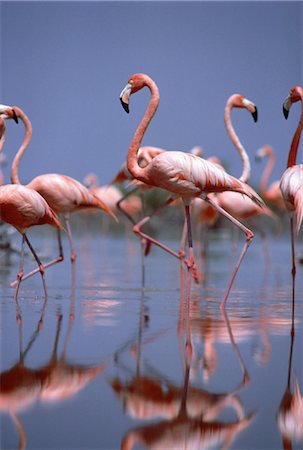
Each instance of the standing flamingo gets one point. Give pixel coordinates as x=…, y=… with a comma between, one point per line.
x=238, y=206
x=62, y=193
x=292, y=180
x=111, y=195
x=23, y=207
x=271, y=194
x=183, y=174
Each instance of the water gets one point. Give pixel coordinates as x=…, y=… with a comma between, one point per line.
x=104, y=364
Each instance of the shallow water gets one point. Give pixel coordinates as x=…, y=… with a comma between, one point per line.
x=103, y=364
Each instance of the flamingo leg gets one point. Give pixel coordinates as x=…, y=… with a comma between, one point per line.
x=191, y=259
x=139, y=225
x=70, y=238
x=292, y=236
x=249, y=236
x=59, y=258
x=40, y=265
x=20, y=272
x=128, y=216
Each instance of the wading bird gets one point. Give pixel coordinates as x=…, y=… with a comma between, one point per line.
x=292, y=180
x=272, y=193
x=23, y=207
x=240, y=207
x=62, y=193
x=182, y=174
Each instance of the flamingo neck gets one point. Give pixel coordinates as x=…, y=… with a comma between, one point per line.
x=132, y=163
x=236, y=141
x=292, y=156
x=23, y=146
x=267, y=171
x=2, y=142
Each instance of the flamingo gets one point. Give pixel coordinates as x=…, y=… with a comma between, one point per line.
x=23, y=207
x=183, y=174
x=111, y=195
x=62, y=193
x=238, y=206
x=272, y=194
x=291, y=184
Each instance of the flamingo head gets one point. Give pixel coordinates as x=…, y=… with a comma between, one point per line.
x=295, y=94
x=239, y=101
x=263, y=151
x=135, y=83
x=8, y=112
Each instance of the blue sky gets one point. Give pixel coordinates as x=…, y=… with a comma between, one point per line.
x=65, y=64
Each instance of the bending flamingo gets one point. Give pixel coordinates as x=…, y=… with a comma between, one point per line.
x=62, y=193
x=23, y=207
x=271, y=194
x=292, y=180
x=183, y=174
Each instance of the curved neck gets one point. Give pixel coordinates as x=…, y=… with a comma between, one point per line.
x=292, y=156
x=235, y=140
x=2, y=142
x=267, y=171
x=132, y=163
x=23, y=146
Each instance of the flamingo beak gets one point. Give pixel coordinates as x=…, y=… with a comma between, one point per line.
x=124, y=97
x=286, y=106
x=15, y=117
x=255, y=114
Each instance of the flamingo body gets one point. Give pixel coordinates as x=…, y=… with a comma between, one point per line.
x=65, y=194
x=188, y=176
x=292, y=189
x=23, y=207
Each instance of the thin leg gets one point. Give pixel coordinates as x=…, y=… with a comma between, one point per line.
x=128, y=216
x=139, y=225
x=41, y=267
x=191, y=260
x=20, y=272
x=293, y=257
x=183, y=240
x=59, y=258
x=249, y=236
x=70, y=238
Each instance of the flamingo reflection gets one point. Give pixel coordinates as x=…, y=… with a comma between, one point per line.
x=187, y=416
x=22, y=387
x=290, y=413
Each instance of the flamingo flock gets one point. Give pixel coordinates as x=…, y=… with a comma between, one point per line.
x=50, y=198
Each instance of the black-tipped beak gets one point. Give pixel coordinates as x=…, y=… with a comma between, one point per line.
x=15, y=116
x=285, y=112
x=255, y=115
x=125, y=106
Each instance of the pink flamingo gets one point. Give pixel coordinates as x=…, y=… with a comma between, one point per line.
x=292, y=180
x=238, y=206
x=23, y=207
x=62, y=193
x=183, y=174
x=111, y=195
x=271, y=194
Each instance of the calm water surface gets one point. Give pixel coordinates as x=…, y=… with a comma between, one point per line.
x=103, y=364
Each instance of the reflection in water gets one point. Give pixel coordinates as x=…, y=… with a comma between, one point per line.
x=21, y=386
x=191, y=414
x=290, y=413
